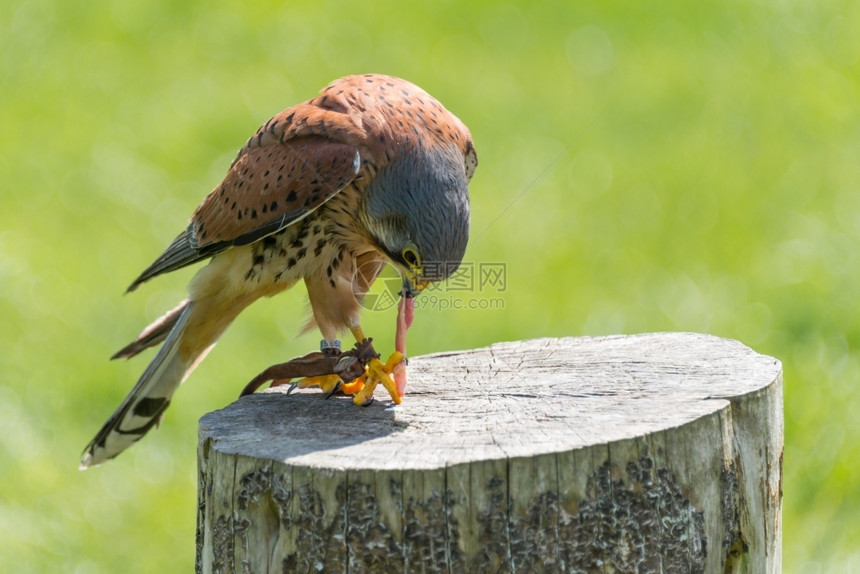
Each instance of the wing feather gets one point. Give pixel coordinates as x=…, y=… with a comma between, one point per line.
x=294, y=163
x=272, y=186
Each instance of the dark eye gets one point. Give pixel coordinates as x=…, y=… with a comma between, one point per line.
x=410, y=257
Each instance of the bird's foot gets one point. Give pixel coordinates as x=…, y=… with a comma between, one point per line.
x=355, y=372
x=328, y=384
x=378, y=372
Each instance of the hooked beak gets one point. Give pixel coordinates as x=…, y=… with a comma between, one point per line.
x=412, y=286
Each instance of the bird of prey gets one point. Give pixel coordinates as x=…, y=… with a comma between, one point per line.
x=372, y=171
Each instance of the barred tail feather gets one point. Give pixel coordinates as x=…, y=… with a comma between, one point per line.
x=144, y=406
x=153, y=334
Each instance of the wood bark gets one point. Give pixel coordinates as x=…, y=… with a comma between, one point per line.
x=646, y=453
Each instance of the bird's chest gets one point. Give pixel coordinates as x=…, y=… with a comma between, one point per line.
x=323, y=246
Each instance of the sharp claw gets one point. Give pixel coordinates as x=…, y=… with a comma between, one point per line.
x=368, y=402
x=293, y=387
x=336, y=388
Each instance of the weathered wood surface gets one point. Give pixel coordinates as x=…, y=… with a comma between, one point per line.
x=646, y=453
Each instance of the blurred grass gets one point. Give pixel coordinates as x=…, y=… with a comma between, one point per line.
x=708, y=159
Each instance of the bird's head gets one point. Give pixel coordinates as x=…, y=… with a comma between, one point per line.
x=417, y=211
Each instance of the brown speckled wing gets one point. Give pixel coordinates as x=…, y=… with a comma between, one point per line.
x=271, y=186
x=294, y=163
x=303, y=156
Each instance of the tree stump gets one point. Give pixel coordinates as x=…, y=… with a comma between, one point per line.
x=647, y=453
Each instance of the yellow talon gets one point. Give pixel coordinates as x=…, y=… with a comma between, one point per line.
x=377, y=372
x=326, y=383
x=395, y=359
x=362, y=388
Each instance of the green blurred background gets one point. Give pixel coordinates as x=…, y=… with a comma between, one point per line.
x=708, y=159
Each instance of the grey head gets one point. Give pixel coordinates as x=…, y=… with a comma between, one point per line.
x=417, y=210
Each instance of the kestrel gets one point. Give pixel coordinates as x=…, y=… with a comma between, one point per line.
x=372, y=171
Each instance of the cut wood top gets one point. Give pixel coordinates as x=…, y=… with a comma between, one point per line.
x=516, y=399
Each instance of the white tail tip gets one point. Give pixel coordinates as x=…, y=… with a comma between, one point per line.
x=86, y=462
